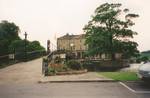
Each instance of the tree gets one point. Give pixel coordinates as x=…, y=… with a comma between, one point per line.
x=8, y=33
x=109, y=31
x=19, y=46
x=3, y=46
x=35, y=46
x=9, y=30
x=10, y=42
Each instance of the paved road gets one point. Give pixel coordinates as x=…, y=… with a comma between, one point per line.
x=25, y=72
x=68, y=90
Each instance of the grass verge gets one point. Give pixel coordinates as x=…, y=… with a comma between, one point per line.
x=120, y=76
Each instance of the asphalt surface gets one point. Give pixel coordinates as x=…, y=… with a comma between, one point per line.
x=68, y=90
x=138, y=87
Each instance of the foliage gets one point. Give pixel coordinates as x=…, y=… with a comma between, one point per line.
x=8, y=32
x=142, y=59
x=120, y=76
x=109, y=33
x=57, y=60
x=73, y=64
x=70, y=56
x=33, y=49
x=19, y=46
x=34, y=45
x=4, y=46
x=10, y=42
x=51, y=71
x=146, y=53
x=45, y=59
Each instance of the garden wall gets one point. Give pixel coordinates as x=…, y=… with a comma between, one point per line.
x=104, y=65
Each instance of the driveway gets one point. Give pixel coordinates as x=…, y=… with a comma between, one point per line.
x=25, y=72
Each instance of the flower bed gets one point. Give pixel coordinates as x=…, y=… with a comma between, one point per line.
x=69, y=68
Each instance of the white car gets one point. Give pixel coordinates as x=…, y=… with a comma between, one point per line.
x=144, y=71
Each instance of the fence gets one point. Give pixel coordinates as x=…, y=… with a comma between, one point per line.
x=12, y=58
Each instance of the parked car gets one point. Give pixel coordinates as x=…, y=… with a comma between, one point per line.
x=144, y=71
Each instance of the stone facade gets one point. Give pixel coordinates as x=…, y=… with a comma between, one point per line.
x=73, y=43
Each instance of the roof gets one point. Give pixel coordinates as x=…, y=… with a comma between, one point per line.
x=67, y=36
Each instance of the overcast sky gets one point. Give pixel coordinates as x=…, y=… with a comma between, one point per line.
x=48, y=19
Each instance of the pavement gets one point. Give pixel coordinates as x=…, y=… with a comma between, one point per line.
x=21, y=81
x=31, y=72
x=85, y=77
x=20, y=73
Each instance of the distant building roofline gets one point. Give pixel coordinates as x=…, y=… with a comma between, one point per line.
x=72, y=36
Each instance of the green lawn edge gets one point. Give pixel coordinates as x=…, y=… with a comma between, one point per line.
x=120, y=76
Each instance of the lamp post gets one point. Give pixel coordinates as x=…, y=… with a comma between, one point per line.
x=48, y=46
x=25, y=46
x=71, y=45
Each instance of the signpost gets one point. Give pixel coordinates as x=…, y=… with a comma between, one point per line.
x=12, y=56
x=25, y=46
x=45, y=67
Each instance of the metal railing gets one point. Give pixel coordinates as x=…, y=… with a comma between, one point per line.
x=13, y=58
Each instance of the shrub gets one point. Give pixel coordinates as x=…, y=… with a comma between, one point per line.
x=54, y=68
x=57, y=60
x=142, y=59
x=45, y=60
x=73, y=64
x=51, y=71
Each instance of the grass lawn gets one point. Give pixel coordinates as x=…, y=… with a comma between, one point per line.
x=121, y=76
